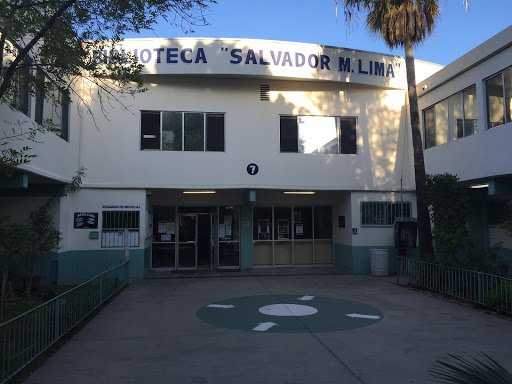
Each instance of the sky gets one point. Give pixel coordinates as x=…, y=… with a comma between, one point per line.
x=314, y=21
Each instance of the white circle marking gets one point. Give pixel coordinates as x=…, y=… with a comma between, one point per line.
x=288, y=310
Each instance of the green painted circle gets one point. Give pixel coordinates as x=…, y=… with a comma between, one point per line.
x=243, y=313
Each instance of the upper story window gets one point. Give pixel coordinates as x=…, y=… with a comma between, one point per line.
x=182, y=131
x=52, y=107
x=318, y=134
x=452, y=118
x=499, y=98
x=21, y=94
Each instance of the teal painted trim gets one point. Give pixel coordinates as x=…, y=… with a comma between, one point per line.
x=343, y=257
x=79, y=266
x=506, y=255
x=147, y=259
x=246, y=237
x=136, y=270
x=361, y=258
x=37, y=190
x=14, y=182
x=499, y=187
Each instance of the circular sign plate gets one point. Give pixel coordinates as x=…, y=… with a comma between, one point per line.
x=252, y=169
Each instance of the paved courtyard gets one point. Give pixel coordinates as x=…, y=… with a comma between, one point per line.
x=273, y=329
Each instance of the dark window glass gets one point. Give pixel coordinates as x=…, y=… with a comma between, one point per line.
x=460, y=129
x=194, y=132
x=323, y=222
x=229, y=217
x=499, y=211
x=507, y=75
x=282, y=223
x=262, y=224
x=303, y=222
x=214, y=132
x=430, y=128
x=39, y=97
x=495, y=101
x=150, y=130
x=21, y=91
x=64, y=128
x=348, y=136
x=470, y=111
x=383, y=213
x=171, y=131
x=289, y=138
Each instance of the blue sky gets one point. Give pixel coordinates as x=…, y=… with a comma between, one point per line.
x=314, y=21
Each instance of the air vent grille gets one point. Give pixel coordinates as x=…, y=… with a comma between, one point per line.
x=264, y=92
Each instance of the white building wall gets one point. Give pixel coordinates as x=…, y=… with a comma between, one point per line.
x=487, y=152
x=56, y=158
x=113, y=157
x=379, y=235
x=97, y=200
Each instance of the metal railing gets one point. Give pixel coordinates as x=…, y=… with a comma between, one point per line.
x=25, y=337
x=486, y=290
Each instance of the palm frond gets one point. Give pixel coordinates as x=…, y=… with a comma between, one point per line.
x=479, y=369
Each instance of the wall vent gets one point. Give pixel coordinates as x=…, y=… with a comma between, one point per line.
x=265, y=92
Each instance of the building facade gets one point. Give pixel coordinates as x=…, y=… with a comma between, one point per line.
x=245, y=154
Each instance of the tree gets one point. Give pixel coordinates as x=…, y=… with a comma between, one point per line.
x=15, y=243
x=47, y=50
x=448, y=214
x=404, y=23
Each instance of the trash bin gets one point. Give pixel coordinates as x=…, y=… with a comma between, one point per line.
x=379, y=262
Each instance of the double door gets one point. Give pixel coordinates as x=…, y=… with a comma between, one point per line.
x=197, y=241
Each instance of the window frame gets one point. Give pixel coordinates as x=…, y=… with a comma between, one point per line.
x=393, y=205
x=461, y=93
x=338, y=122
x=183, y=113
x=63, y=106
x=503, y=94
x=134, y=217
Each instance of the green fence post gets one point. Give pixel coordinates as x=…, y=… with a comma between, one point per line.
x=101, y=289
x=57, y=318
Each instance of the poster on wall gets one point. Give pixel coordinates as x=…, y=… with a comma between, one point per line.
x=85, y=220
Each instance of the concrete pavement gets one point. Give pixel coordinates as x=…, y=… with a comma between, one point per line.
x=150, y=334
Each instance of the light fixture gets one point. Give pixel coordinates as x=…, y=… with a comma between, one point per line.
x=150, y=136
x=299, y=192
x=476, y=186
x=197, y=192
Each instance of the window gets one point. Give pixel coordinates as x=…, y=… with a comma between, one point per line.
x=318, y=134
x=52, y=107
x=114, y=225
x=499, y=211
x=452, y=118
x=21, y=95
x=182, y=131
x=499, y=98
x=292, y=235
x=383, y=213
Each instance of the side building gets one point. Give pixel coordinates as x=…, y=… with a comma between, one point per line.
x=467, y=130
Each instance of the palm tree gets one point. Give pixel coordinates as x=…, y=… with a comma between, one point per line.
x=404, y=23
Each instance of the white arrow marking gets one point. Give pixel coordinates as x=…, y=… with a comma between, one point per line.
x=220, y=306
x=304, y=298
x=262, y=327
x=358, y=315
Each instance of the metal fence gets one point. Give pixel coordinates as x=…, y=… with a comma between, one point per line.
x=486, y=290
x=27, y=336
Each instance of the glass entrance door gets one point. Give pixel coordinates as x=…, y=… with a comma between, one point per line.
x=187, y=242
